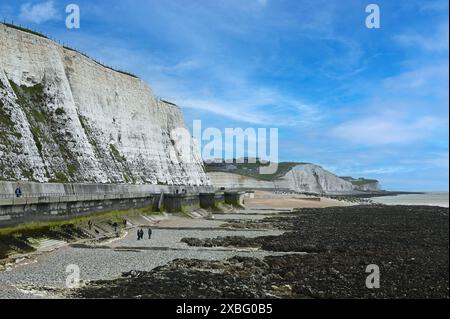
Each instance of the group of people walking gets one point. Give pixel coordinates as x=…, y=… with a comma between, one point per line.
x=140, y=233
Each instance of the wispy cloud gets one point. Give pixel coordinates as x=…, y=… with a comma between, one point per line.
x=245, y=110
x=429, y=81
x=38, y=12
x=373, y=131
x=364, y=102
x=436, y=41
x=262, y=3
x=249, y=104
x=434, y=5
x=377, y=171
x=230, y=93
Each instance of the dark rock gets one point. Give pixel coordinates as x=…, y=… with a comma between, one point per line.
x=409, y=244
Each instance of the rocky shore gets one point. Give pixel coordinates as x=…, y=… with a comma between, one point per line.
x=409, y=244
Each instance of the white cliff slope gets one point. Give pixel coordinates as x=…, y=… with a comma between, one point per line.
x=314, y=179
x=66, y=118
x=304, y=178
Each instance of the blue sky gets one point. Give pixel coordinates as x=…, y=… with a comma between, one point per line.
x=358, y=101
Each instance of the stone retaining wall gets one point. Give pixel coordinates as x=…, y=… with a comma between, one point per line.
x=27, y=210
x=53, y=201
x=33, y=189
x=65, y=201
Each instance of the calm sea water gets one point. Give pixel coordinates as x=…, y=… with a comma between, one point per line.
x=431, y=199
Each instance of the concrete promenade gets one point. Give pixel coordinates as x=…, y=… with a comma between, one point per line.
x=48, y=202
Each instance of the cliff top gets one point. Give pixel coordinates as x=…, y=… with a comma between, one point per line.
x=359, y=181
x=36, y=33
x=251, y=169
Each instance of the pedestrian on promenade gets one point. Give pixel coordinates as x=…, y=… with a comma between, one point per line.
x=90, y=224
x=18, y=192
x=139, y=234
x=149, y=233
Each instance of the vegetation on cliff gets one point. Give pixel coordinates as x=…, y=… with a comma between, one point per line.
x=17, y=27
x=48, y=130
x=247, y=168
x=27, y=30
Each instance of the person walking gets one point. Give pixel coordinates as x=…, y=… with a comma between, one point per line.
x=138, y=234
x=18, y=192
x=149, y=233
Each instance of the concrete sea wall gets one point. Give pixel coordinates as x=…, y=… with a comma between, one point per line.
x=39, y=209
x=35, y=189
x=50, y=202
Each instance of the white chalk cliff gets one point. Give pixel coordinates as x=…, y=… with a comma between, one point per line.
x=64, y=117
x=305, y=178
x=313, y=178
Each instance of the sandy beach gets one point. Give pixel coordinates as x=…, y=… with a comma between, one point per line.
x=267, y=199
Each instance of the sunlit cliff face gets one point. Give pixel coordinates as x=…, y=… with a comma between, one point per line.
x=66, y=118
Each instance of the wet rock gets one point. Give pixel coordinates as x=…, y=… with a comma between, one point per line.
x=409, y=244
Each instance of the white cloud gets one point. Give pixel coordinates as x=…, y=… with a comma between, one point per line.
x=230, y=93
x=438, y=6
x=262, y=3
x=39, y=12
x=355, y=172
x=384, y=130
x=429, y=81
x=436, y=41
x=273, y=109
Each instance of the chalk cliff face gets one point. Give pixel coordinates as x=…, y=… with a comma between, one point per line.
x=66, y=118
x=373, y=186
x=306, y=178
x=232, y=180
x=363, y=184
x=314, y=179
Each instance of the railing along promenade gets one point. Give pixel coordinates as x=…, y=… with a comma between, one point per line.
x=42, y=198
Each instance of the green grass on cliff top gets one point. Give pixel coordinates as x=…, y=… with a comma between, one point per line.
x=252, y=169
x=363, y=181
x=23, y=29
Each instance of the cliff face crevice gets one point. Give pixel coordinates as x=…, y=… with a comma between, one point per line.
x=65, y=118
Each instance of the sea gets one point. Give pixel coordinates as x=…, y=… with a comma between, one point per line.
x=429, y=199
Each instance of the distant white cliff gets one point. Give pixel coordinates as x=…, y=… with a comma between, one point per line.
x=305, y=178
x=314, y=179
